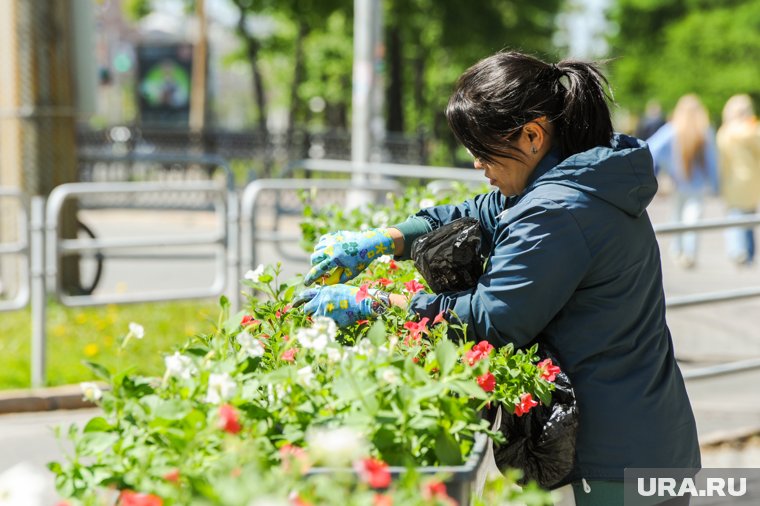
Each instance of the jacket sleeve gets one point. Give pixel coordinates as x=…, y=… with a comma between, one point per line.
x=484, y=207
x=539, y=260
x=660, y=146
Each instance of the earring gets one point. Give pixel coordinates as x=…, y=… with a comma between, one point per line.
x=533, y=149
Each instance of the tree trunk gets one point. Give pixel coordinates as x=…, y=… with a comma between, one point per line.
x=396, y=86
x=298, y=76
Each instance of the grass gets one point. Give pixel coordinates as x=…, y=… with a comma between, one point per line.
x=93, y=334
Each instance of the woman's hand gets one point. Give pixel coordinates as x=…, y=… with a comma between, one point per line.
x=340, y=256
x=340, y=303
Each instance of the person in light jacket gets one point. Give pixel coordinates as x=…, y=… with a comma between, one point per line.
x=684, y=148
x=739, y=155
x=573, y=262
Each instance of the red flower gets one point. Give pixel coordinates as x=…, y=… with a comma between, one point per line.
x=289, y=355
x=549, y=371
x=228, y=419
x=280, y=312
x=375, y=472
x=487, y=382
x=434, y=489
x=296, y=500
x=384, y=281
x=416, y=328
x=172, y=476
x=248, y=320
x=414, y=286
x=382, y=500
x=290, y=454
x=392, y=265
x=439, y=318
x=361, y=322
x=525, y=404
x=363, y=292
x=478, y=352
x=129, y=498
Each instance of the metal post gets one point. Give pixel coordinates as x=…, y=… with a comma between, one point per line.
x=38, y=292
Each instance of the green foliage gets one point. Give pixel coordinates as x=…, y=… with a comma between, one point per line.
x=664, y=49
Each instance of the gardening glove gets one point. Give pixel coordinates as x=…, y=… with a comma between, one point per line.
x=340, y=256
x=340, y=303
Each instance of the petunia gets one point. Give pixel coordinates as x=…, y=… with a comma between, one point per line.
x=179, y=366
x=363, y=292
x=487, y=382
x=289, y=355
x=549, y=371
x=374, y=472
x=91, y=391
x=248, y=320
x=228, y=419
x=414, y=286
x=137, y=330
x=255, y=274
x=220, y=388
x=525, y=404
x=130, y=498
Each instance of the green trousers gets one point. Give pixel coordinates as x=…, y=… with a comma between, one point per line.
x=610, y=493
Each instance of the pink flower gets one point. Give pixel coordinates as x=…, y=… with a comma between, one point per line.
x=439, y=318
x=525, y=404
x=384, y=281
x=248, y=320
x=363, y=292
x=280, y=312
x=296, y=500
x=375, y=472
x=414, y=286
x=289, y=355
x=478, y=352
x=382, y=500
x=290, y=454
x=549, y=371
x=228, y=419
x=487, y=382
x=130, y=498
x=435, y=489
x=172, y=476
x=417, y=328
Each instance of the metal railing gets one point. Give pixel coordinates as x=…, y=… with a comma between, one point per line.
x=384, y=170
x=18, y=248
x=250, y=234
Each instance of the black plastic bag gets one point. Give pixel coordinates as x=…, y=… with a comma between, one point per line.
x=541, y=442
x=449, y=257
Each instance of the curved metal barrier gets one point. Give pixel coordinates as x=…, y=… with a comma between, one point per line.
x=18, y=248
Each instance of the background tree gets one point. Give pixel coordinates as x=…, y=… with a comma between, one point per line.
x=666, y=48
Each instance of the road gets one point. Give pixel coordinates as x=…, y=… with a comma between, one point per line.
x=702, y=335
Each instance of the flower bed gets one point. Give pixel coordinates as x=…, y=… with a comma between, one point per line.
x=252, y=412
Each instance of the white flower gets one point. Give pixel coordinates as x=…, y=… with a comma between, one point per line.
x=425, y=203
x=385, y=259
x=91, y=391
x=221, y=387
x=136, y=330
x=335, y=447
x=364, y=348
x=23, y=485
x=334, y=354
x=250, y=345
x=311, y=339
x=179, y=366
x=326, y=325
x=390, y=375
x=380, y=219
x=254, y=275
x=364, y=227
x=305, y=375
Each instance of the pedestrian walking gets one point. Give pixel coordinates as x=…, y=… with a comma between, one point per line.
x=684, y=149
x=739, y=154
x=573, y=262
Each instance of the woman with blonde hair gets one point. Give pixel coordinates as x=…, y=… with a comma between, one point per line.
x=684, y=149
x=739, y=152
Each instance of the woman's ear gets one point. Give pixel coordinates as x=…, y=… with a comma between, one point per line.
x=537, y=135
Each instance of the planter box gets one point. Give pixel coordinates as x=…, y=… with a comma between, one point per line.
x=462, y=481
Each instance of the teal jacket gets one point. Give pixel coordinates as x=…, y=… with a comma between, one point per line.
x=574, y=265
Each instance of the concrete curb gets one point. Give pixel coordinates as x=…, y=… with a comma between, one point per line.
x=42, y=399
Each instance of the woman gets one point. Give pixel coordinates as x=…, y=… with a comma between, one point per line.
x=573, y=263
x=685, y=149
x=739, y=154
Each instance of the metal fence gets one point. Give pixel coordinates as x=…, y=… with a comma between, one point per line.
x=239, y=233
x=18, y=249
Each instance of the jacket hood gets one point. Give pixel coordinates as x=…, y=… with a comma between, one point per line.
x=622, y=175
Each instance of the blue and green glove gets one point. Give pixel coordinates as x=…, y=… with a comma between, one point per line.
x=339, y=303
x=340, y=256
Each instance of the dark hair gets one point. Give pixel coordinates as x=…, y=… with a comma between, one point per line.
x=494, y=98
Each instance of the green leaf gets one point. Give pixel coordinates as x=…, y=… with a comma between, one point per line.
x=95, y=443
x=99, y=370
x=446, y=354
x=447, y=450
x=377, y=333
x=173, y=409
x=98, y=424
